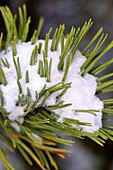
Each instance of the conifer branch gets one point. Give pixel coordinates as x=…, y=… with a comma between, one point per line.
x=37, y=139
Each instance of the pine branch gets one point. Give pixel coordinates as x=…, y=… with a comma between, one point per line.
x=37, y=138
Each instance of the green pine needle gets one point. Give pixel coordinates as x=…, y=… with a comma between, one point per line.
x=19, y=86
x=14, y=42
x=93, y=112
x=5, y=62
x=108, y=101
x=37, y=32
x=68, y=62
x=34, y=56
x=27, y=76
x=10, y=25
x=23, y=24
x=92, y=41
x=3, y=77
x=100, y=79
x=1, y=98
x=93, y=62
x=46, y=42
x=17, y=67
x=3, y=158
x=1, y=37
x=80, y=34
x=96, y=49
x=104, y=85
x=101, y=67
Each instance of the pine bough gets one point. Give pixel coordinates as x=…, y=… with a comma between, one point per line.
x=34, y=107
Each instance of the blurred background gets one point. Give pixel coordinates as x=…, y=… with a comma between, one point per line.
x=86, y=155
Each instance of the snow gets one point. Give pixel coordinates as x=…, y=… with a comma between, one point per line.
x=36, y=136
x=81, y=94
